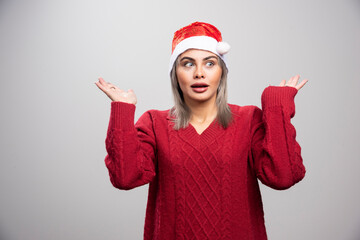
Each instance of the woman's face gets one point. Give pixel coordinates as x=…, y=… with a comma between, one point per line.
x=198, y=73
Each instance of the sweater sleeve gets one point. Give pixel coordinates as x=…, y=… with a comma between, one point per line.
x=131, y=148
x=275, y=155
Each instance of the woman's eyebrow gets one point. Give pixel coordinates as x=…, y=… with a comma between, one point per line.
x=207, y=58
x=188, y=58
x=191, y=59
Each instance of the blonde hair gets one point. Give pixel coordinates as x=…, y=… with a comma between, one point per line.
x=180, y=113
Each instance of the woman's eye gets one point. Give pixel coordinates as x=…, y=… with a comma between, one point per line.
x=188, y=64
x=209, y=64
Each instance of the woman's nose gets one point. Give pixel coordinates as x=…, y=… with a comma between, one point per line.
x=199, y=73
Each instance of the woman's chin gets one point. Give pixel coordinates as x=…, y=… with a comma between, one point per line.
x=200, y=98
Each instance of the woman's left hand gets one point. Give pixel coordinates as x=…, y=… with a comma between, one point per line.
x=293, y=82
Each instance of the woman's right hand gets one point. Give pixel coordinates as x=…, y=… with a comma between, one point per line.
x=115, y=93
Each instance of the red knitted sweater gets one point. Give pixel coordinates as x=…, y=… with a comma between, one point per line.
x=205, y=186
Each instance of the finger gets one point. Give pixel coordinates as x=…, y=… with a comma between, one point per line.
x=112, y=86
x=282, y=83
x=101, y=87
x=288, y=83
x=104, y=84
x=102, y=81
x=296, y=79
x=131, y=91
x=292, y=81
x=300, y=85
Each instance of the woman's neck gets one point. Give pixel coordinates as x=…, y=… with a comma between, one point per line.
x=202, y=113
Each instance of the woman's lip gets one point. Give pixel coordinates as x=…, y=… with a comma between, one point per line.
x=200, y=89
x=199, y=85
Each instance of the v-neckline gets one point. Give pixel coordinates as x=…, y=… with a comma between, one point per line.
x=210, y=134
x=208, y=127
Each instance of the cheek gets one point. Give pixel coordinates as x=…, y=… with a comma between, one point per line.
x=181, y=85
x=217, y=78
x=182, y=79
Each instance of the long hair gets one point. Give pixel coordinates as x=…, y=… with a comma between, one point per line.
x=180, y=113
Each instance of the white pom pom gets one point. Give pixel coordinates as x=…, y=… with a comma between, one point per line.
x=222, y=48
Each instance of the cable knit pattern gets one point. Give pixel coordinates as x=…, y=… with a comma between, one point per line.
x=205, y=186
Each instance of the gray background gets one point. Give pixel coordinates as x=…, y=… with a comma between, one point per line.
x=53, y=180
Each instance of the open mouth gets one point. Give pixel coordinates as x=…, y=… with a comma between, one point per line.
x=199, y=87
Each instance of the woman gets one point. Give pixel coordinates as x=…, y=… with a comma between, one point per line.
x=203, y=157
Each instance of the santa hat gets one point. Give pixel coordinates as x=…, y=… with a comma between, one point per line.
x=198, y=35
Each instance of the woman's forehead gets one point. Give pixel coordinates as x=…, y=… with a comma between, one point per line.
x=197, y=53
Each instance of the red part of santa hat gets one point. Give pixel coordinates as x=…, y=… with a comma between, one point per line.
x=198, y=35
